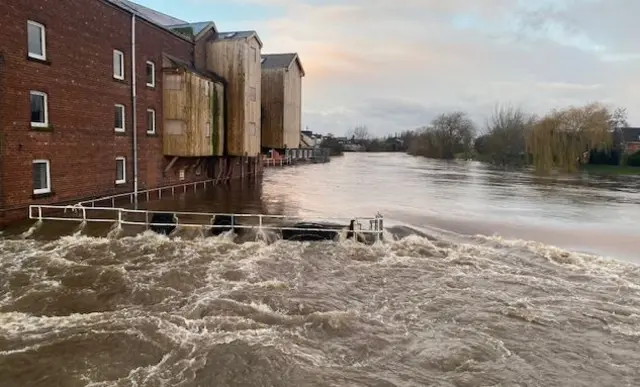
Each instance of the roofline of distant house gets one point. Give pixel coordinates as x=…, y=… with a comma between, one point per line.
x=152, y=23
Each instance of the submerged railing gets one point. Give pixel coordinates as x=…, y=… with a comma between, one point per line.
x=280, y=161
x=183, y=187
x=372, y=226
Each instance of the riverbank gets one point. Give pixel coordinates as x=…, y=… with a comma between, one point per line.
x=589, y=168
x=611, y=169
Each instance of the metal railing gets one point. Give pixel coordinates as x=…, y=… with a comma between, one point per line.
x=122, y=216
x=147, y=193
x=271, y=162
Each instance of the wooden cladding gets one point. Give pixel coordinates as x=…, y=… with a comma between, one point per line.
x=238, y=61
x=282, y=107
x=193, y=115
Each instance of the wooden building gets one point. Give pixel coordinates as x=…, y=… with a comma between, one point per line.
x=281, y=101
x=235, y=56
x=193, y=105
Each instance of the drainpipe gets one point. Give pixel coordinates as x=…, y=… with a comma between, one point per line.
x=134, y=107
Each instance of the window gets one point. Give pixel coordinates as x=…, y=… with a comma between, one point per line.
x=151, y=121
x=254, y=52
x=36, y=40
x=118, y=65
x=151, y=74
x=118, y=123
x=41, y=177
x=121, y=170
x=39, y=109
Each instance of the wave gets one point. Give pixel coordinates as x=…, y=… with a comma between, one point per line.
x=153, y=310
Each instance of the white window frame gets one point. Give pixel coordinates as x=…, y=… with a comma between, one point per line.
x=124, y=118
x=40, y=191
x=120, y=54
x=153, y=68
x=124, y=170
x=153, y=114
x=43, y=38
x=44, y=124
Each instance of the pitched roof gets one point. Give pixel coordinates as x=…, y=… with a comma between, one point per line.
x=176, y=62
x=193, y=30
x=630, y=134
x=148, y=13
x=235, y=35
x=280, y=61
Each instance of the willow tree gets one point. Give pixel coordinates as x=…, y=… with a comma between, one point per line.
x=560, y=139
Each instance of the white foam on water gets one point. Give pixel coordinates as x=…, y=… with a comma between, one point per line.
x=31, y=230
x=263, y=294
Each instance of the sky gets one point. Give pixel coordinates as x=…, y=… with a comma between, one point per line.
x=394, y=65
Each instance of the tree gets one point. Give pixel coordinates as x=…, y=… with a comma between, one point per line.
x=504, y=144
x=359, y=134
x=448, y=135
x=563, y=137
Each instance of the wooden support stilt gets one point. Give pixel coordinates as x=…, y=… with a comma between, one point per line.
x=171, y=163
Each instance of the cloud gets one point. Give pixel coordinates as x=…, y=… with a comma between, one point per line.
x=395, y=64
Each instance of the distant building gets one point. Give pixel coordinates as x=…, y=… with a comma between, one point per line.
x=630, y=139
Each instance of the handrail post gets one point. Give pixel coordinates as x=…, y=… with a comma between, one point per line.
x=40, y=213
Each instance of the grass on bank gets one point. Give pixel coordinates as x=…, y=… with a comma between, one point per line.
x=611, y=169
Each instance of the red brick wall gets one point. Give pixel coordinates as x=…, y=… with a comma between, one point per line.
x=78, y=77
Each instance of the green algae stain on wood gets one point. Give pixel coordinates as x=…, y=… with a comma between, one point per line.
x=215, y=104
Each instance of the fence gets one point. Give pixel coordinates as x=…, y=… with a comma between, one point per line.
x=280, y=161
x=148, y=194
x=123, y=217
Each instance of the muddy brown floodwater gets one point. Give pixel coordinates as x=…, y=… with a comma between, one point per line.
x=494, y=278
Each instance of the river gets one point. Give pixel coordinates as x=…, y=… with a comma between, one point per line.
x=495, y=279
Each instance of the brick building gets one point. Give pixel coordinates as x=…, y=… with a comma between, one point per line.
x=631, y=139
x=66, y=101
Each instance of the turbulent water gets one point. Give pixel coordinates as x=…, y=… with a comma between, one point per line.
x=428, y=308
